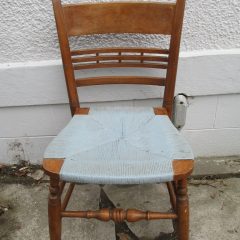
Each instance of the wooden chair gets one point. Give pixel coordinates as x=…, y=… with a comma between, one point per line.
x=119, y=17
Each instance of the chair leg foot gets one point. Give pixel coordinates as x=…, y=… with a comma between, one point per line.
x=182, y=211
x=54, y=209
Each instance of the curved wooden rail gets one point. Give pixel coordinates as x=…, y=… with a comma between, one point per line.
x=120, y=64
x=118, y=50
x=120, y=58
x=82, y=82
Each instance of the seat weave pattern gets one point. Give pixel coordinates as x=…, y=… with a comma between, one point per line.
x=120, y=145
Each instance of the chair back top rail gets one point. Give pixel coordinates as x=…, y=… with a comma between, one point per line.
x=120, y=17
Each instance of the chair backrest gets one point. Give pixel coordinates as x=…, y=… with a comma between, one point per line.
x=120, y=17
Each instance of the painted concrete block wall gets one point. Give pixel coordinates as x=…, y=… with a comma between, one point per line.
x=28, y=130
x=33, y=98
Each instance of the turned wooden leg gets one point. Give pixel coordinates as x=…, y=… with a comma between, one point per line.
x=182, y=210
x=54, y=209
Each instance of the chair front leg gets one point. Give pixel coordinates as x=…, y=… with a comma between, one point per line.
x=54, y=209
x=182, y=210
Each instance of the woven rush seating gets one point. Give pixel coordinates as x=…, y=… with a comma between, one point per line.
x=119, y=145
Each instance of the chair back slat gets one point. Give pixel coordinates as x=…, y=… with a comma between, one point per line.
x=83, y=82
x=118, y=17
x=119, y=64
x=121, y=57
x=122, y=50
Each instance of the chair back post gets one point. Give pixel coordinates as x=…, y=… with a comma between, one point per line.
x=66, y=56
x=173, y=57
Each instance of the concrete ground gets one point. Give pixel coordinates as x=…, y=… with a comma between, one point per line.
x=215, y=211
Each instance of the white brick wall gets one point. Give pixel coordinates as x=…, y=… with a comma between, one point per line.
x=228, y=112
x=212, y=128
x=213, y=125
x=33, y=103
x=33, y=97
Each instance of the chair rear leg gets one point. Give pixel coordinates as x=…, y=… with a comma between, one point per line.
x=182, y=210
x=54, y=209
